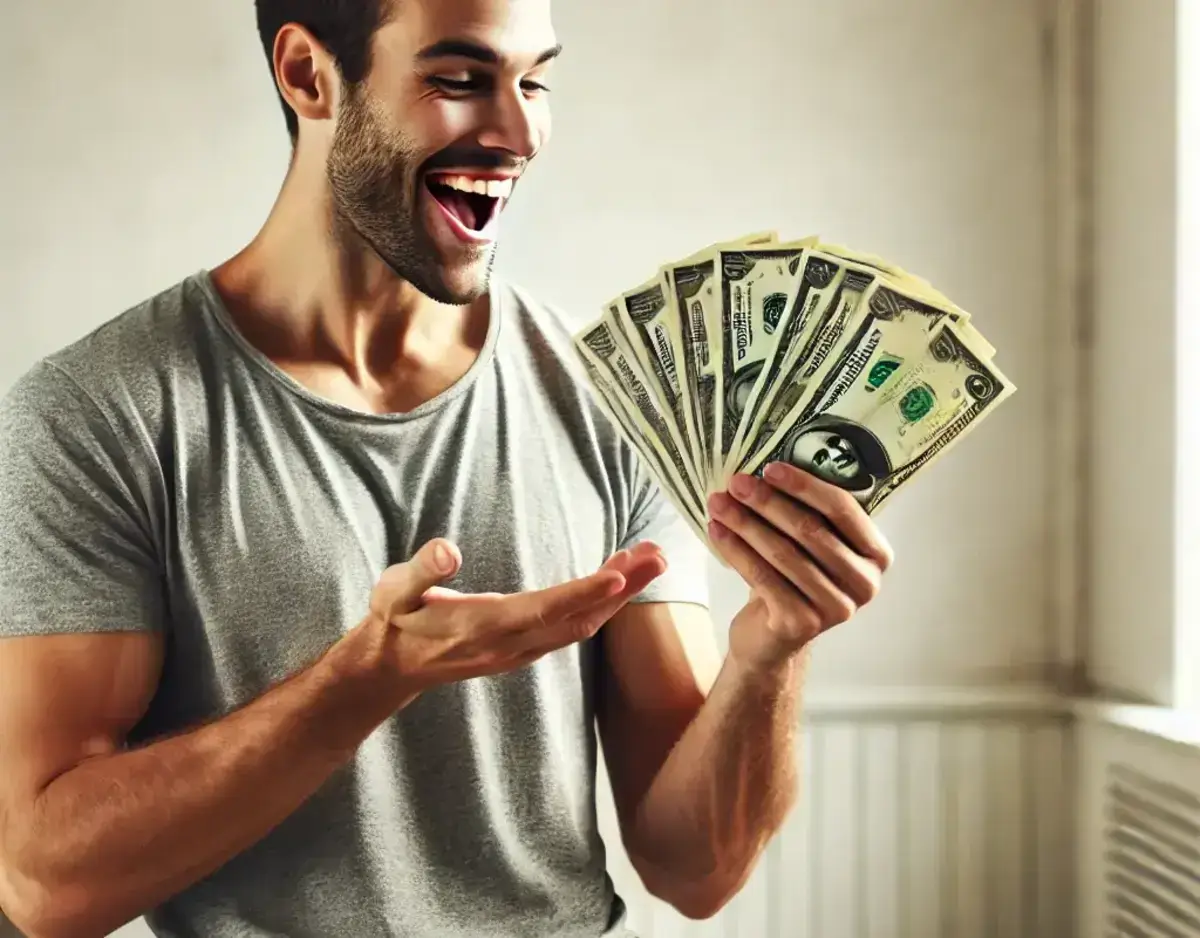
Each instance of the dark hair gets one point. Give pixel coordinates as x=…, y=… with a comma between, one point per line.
x=344, y=27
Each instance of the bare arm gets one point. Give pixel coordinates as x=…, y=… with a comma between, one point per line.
x=700, y=798
x=701, y=755
x=93, y=834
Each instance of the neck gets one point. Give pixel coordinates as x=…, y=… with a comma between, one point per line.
x=306, y=293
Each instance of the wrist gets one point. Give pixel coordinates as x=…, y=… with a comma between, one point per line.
x=785, y=669
x=363, y=664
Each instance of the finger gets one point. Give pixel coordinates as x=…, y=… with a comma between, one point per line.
x=629, y=557
x=754, y=569
x=786, y=557
x=441, y=594
x=839, y=508
x=857, y=576
x=637, y=578
x=402, y=585
x=583, y=625
x=539, y=607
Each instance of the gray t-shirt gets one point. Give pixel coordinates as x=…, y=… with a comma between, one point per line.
x=161, y=474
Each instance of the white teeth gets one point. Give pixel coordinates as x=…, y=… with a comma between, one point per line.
x=494, y=188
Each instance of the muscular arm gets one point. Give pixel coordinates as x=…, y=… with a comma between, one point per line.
x=701, y=755
x=92, y=833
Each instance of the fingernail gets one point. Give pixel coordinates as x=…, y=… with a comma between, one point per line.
x=443, y=560
x=742, y=486
x=717, y=531
x=775, y=472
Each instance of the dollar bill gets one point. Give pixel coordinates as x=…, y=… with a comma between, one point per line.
x=618, y=363
x=755, y=296
x=648, y=321
x=891, y=330
x=612, y=403
x=923, y=408
x=917, y=286
x=820, y=277
x=865, y=308
x=790, y=374
x=691, y=286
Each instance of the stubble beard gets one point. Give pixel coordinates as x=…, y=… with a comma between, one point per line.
x=373, y=179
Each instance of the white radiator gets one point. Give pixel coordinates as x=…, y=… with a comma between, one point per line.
x=1139, y=820
x=920, y=817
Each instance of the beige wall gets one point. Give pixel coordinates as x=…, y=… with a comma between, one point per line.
x=145, y=142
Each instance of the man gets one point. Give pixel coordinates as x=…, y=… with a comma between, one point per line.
x=304, y=561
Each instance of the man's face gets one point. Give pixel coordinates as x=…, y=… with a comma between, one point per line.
x=428, y=148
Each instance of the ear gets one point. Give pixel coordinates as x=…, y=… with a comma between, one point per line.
x=305, y=74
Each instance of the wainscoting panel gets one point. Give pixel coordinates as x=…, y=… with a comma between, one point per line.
x=918, y=819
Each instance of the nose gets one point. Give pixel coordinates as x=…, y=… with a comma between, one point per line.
x=516, y=124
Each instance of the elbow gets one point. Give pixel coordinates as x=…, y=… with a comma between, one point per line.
x=38, y=910
x=694, y=894
x=697, y=900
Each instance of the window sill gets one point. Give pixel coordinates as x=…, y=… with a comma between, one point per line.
x=1180, y=728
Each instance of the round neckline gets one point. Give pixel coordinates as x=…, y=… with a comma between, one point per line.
x=216, y=308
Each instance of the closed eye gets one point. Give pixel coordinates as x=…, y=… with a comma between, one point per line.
x=480, y=83
x=457, y=84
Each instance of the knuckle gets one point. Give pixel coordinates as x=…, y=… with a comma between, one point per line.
x=812, y=624
x=783, y=557
x=808, y=526
x=845, y=512
x=863, y=588
x=842, y=608
x=762, y=574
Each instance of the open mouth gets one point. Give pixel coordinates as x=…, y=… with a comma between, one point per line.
x=473, y=201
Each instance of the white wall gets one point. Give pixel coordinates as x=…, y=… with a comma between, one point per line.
x=145, y=142
x=1144, y=611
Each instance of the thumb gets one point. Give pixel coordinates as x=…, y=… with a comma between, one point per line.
x=402, y=585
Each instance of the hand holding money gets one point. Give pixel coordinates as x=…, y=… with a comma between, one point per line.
x=756, y=351
x=810, y=554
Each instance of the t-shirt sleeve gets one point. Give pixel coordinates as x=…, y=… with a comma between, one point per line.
x=77, y=543
x=653, y=517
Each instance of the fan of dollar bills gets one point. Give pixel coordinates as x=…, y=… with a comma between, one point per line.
x=755, y=351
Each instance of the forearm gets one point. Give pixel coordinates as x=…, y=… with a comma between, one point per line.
x=724, y=790
x=118, y=834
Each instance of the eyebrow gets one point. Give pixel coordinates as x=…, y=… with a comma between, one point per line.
x=467, y=49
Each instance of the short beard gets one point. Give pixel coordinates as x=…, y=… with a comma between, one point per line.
x=373, y=174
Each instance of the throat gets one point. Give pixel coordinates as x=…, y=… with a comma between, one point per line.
x=472, y=210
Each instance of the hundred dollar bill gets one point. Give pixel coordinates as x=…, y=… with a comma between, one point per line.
x=829, y=311
x=917, y=286
x=923, y=409
x=635, y=434
x=890, y=333
x=691, y=284
x=819, y=280
x=756, y=292
x=864, y=308
x=648, y=322
x=617, y=362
